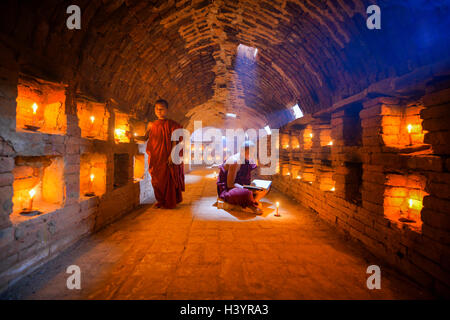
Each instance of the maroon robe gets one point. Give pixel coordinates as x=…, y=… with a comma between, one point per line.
x=167, y=181
x=239, y=196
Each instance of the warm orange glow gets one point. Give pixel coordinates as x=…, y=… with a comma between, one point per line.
x=333, y=189
x=409, y=127
x=34, y=107
x=92, y=177
x=299, y=177
x=92, y=119
x=415, y=204
x=120, y=134
x=297, y=146
x=310, y=135
x=330, y=143
x=285, y=146
x=288, y=174
x=135, y=134
x=278, y=204
x=32, y=193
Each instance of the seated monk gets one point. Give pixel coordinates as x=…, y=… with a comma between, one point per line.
x=233, y=176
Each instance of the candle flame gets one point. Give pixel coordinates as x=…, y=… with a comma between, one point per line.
x=409, y=127
x=299, y=177
x=92, y=119
x=32, y=192
x=120, y=132
x=333, y=189
x=34, y=107
x=330, y=143
x=92, y=177
x=278, y=204
x=310, y=135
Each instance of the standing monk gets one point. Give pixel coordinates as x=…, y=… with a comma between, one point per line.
x=167, y=178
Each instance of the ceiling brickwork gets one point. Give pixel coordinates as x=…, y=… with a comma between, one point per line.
x=313, y=52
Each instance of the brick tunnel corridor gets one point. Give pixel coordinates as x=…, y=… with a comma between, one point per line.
x=345, y=103
x=198, y=251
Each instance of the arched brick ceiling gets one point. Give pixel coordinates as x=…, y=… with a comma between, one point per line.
x=312, y=52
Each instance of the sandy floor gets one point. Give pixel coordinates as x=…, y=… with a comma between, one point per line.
x=200, y=252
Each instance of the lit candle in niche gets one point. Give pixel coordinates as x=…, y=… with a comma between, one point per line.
x=288, y=174
x=409, y=127
x=299, y=177
x=32, y=193
x=333, y=189
x=34, y=107
x=330, y=143
x=92, y=119
x=277, y=214
x=91, y=182
x=120, y=134
x=310, y=135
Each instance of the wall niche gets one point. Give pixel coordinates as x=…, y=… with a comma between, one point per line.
x=122, y=131
x=353, y=182
x=352, y=130
x=139, y=167
x=40, y=106
x=403, y=199
x=93, y=119
x=92, y=174
x=121, y=169
x=40, y=179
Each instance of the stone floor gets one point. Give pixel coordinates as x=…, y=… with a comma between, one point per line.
x=200, y=252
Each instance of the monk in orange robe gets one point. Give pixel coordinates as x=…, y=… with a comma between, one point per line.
x=167, y=177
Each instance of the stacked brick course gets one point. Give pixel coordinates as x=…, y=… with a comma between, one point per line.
x=379, y=181
x=28, y=242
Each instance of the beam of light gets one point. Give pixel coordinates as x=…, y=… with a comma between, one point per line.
x=297, y=111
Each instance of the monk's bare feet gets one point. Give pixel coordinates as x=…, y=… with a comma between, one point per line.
x=157, y=205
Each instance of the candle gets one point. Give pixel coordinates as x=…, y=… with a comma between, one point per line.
x=92, y=119
x=310, y=135
x=330, y=143
x=32, y=192
x=277, y=214
x=333, y=189
x=34, y=107
x=409, y=128
x=91, y=182
x=299, y=177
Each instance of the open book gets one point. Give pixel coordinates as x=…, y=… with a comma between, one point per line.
x=259, y=185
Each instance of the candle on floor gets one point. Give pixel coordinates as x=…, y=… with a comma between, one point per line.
x=277, y=214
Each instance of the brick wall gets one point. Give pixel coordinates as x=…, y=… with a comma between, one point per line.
x=377, y=183
x=28, y=242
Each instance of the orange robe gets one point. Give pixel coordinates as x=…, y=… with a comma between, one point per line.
x=167, y=181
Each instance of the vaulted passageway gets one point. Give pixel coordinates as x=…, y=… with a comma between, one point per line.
x=363, y=121
x=198, y=251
